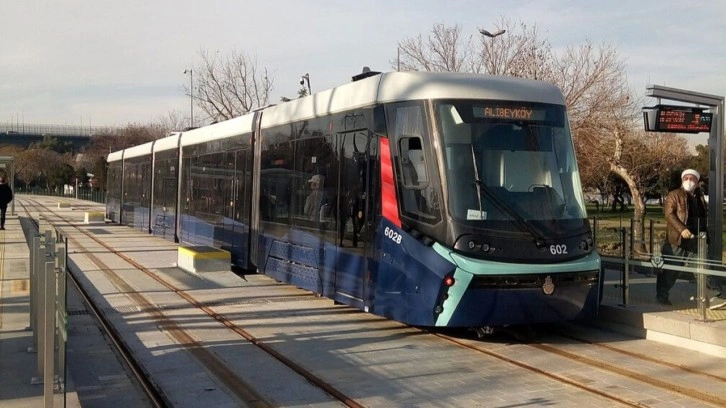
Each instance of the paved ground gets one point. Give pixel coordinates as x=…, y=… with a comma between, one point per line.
x=381, y=362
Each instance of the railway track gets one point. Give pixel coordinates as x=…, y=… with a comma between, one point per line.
x=620, y=376
x=154, y=398
x=235, y=384
x=569, y=343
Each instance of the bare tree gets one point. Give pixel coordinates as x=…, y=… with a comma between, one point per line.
x=103, y=143
x=443, y=50
x=174, y=121
x=227, y=87
x=520, y=53
x=36, y=165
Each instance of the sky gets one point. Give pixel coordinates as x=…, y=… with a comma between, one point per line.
x=112, y=63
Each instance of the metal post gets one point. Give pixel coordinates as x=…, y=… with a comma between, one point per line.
x=651, y=229
x=632, y=238
x=594, y=231
x=625, y=278
x=48, y=342
x=191, y=96
x=701, y=278
x=715, y=203
x=12, y=185
x=40, y=333
x=62, y=316
x=34, y=243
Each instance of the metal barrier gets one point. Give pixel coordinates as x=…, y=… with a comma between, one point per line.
x=48, y=313
x=82, y=193
x=654, y=261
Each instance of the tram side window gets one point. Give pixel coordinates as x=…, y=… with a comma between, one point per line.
x=114, y=181
x=315, y=178
x=278, y=184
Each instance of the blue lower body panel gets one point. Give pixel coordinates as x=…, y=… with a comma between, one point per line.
x=501, y=307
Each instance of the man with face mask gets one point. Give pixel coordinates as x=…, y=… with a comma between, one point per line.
x=685, y=214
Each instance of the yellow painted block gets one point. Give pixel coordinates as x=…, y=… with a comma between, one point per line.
x=91, y=216
x=204, y=252
x=198, y=259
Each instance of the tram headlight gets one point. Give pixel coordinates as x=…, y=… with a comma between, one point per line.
x=449, y=281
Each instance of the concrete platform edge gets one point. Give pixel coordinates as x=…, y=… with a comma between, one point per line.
x=665, y=327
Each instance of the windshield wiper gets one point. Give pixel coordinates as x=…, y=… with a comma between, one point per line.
x=523, y=224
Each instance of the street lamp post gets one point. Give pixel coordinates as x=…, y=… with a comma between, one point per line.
x=306, y=78
x=191, y=96
x=492, y=69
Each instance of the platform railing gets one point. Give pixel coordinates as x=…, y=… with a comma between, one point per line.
x=81, y=193
x=622, y=256
x=48, y=312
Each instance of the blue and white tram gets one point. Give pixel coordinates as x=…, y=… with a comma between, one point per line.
x=435, y=199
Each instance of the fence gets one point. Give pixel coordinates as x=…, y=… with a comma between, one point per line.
x=82, y=193
x=10, y=128
x=48, y=312
x=620, y=250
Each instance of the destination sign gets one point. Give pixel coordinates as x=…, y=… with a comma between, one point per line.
x=683, y=121
x=677, y=119
x=511, y=112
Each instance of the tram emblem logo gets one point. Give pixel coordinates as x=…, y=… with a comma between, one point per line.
x=657, y=261
x=549, y=287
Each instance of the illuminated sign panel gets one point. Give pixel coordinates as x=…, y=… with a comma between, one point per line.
x=677, y=119
x=511, y=112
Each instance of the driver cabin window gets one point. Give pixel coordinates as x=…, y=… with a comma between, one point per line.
x=418, y=194
x=418, y=200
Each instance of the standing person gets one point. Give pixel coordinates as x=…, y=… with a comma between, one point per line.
x=350, y=208
x=314, y=199
x=6, y=196
x=685, y=214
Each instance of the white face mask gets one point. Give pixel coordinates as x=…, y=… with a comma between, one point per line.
x=689, y=186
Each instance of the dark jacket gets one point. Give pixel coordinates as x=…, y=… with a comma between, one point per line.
x=676, y=213
x=6, y=194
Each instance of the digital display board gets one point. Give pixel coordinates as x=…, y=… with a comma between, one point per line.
x=677, y=119
x=510, y=112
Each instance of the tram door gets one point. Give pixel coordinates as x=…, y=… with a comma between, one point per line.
x=239, y=211
x=351, y=267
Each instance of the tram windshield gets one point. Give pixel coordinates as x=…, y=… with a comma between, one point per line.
x=509, y=161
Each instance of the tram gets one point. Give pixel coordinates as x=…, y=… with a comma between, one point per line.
x=434, y=199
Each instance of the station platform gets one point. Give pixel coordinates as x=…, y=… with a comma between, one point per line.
x=678, y=324
x=273, y=310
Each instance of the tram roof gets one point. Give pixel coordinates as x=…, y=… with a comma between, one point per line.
x=115, y=156
x=171, y=142
x=140, y=150
x=408, y=86
x=384, y=88
x=221, y=130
